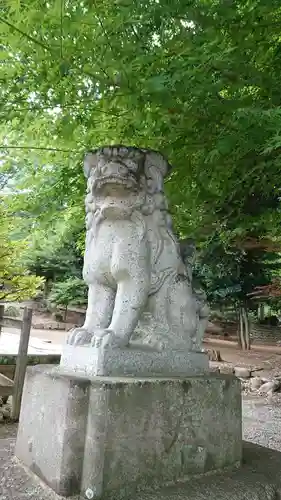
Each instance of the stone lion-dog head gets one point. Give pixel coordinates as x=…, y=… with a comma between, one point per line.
x=125, y=179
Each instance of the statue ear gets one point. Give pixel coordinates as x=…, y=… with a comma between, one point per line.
x=156, y=168
x=157, y=160
x=90, y=161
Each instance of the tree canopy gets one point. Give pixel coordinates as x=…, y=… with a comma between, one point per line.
x=16, y=283
x=66, y=292
x=197, y=80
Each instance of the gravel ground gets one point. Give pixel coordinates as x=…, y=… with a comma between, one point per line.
x=262, y=421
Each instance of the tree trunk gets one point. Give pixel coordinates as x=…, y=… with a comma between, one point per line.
x=47, y=287
x=241, y=330
x=261, y=312
x=237, y=311
x=246, y=328
x=65, y=314
x=244, y=332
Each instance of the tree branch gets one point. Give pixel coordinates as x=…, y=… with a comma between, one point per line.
x=40, y=148
x=33, y=40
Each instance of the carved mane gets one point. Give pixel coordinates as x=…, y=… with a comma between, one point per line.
x=155, y=168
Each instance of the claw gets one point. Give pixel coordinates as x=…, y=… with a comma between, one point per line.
x=79, y=336
x=97, y=342
x=106, y=338
x=102, y=338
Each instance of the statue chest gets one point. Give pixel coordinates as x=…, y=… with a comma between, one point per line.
x=109, y=249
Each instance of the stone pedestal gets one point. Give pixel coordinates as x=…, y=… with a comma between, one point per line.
x=106, y=437
x=132, y=361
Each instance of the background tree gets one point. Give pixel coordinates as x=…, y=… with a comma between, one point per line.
x=171, y=76
x=54, y=254
x=16, y=283
x=232, y=275
x=70, y=291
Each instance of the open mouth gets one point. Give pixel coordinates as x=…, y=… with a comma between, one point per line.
x=115, y=180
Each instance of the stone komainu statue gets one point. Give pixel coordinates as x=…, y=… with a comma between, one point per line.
x=139, y=285
x=187, y=251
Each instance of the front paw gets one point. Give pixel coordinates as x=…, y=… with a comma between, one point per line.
x=107, y=338
x=79, y=336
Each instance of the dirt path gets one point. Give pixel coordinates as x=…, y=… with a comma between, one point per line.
x=220, y=343
x=41, y=341
x=265, y=358
x=56, y=336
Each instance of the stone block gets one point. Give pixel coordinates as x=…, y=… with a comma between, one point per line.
x=110, y=437
x=226, y=369
x=52, y=428
x=242, y=372
x=132, y=361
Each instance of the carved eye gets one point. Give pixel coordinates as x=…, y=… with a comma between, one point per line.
x=132, y=165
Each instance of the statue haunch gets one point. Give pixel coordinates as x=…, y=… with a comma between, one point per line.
x=138, y=283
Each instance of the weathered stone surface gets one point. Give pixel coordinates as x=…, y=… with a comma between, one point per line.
x=271, y=386
x=5, y=408
x=258, y=479
x=136, y=361
x=112, y=436
x=6, y=411
x=226, y=369
x=256, y=383
x=52, y=428
x=139, y=284
x=242, y=372
x=214, y=368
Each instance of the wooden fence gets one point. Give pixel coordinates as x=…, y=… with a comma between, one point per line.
x=14, y=387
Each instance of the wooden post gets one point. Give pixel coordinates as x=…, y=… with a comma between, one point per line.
x=247, y=333
x=1, y=316
x=21, y=363
x=237, y=316
x=241, y=329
